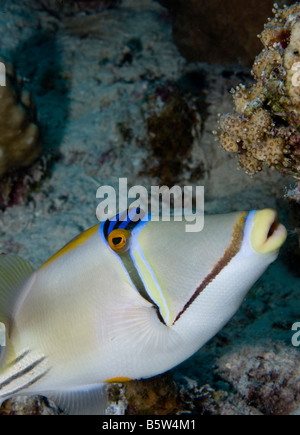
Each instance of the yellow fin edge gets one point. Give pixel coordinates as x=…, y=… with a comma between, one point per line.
x=73, y=244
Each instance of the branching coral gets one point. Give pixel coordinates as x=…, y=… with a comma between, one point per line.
x=266, y=126
x=19, y=134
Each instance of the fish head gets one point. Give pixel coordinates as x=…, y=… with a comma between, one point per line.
x=172, y=268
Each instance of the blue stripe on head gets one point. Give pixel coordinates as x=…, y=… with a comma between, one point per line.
x=112, y=224
x=249, y=223
x=246, y=244
x=131, y=219
x=115, y=221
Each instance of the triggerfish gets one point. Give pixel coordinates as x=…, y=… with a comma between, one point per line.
x=129, y=298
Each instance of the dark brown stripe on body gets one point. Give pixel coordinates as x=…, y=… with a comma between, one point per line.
x=21, y=373
x=15, y=361
x=231, y=251
x=23, y=387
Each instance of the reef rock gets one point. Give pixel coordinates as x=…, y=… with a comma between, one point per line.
x=35, y=405
x=267, y=380
x=154, y=396
x=266, y=126
x=218, y=31
x=20, y=143
x=59, y=8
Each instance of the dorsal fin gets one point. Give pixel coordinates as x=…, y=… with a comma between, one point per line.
x=13, y=272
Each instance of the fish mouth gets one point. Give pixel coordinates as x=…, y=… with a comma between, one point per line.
x=268, y=234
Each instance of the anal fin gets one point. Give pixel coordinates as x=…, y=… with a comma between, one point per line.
x=88, y=400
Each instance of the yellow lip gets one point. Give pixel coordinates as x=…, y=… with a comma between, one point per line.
x=268, y=235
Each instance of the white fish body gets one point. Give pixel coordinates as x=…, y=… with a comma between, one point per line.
x=127, y=300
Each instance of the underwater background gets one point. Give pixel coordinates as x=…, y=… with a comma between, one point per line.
x=99, y=90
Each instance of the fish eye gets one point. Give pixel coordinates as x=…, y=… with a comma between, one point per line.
x=118, y=240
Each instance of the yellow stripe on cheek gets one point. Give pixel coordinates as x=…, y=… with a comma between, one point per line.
x=152, y=285
x=73, y=244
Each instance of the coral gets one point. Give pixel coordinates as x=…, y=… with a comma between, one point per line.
x=20, y=143
x=266, y=126
x=211, y=31
x=268, y=380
